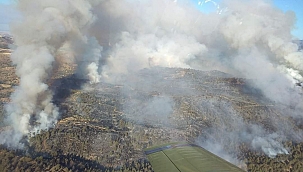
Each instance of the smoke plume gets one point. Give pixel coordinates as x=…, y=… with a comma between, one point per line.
x=249, y=39
x=45, y=27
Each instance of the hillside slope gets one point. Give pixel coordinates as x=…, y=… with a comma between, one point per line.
x=106, y=126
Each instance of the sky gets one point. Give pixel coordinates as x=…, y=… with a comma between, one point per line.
x=296, y=6
x=7, y=14
x=5, y=1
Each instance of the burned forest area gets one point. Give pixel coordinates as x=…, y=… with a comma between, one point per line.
x=105, y=127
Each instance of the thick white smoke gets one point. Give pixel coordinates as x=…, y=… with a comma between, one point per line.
x=269, y=146
x=250, y=39
x=174, y=34
x=91, y=57
x=45, y=27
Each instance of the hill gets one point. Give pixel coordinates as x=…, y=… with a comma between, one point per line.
x=5, y=41
x=300, y=44
x=107, y=126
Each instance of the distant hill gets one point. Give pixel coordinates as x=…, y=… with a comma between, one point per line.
x=300, y=44
x=105, y=127
x=5, y=40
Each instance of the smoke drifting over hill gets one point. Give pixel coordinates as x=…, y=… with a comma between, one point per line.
x=46, y=26
x=252, y=38
x=249, y=39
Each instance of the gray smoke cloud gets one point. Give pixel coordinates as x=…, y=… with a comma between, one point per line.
x=45, y=27
x=91, y=55
x=155, y=111
x=174, y=34
x=249, y=39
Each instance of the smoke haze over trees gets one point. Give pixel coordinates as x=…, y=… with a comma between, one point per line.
x=112, y=40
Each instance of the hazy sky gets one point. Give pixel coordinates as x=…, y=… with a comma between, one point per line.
x=7, y=14
x=285, y=5
x=297, y=7
x=5, y=1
